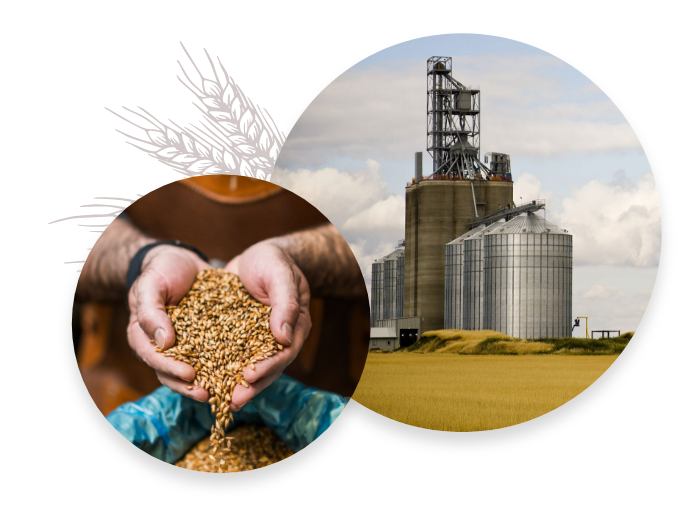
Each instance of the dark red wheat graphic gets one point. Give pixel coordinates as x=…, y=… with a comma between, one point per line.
x=234, y=136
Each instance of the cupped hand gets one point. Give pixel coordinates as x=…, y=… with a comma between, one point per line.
x=270, y=275
x=167, y=275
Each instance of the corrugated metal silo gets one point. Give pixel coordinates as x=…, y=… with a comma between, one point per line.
x=473, y=280
x=528, y=278
x=454, y=277
x=393, y=283
x=377, y=292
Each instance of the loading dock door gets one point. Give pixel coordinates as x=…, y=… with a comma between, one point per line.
x=407, y=337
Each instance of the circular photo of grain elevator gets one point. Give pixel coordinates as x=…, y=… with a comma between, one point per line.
x=221, y=323
x=504, y=216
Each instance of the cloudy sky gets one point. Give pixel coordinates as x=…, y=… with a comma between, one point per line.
x=351, y=154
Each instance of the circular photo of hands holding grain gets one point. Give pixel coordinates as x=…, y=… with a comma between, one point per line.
x=221, y=323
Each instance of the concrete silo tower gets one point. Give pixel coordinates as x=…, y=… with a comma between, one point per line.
x=460, y=189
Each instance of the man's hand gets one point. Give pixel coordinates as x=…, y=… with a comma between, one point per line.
x=167, y=275
x=271, y=276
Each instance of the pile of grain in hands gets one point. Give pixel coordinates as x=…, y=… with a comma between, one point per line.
x=220, y=331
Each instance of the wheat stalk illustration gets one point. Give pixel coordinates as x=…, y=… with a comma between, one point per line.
x=233, y=136
x=98, y=217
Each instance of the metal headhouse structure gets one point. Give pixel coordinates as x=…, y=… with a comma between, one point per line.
x=452, y=123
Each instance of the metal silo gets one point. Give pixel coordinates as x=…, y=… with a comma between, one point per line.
x=393, y=283
x=473, y=280
x=454, y=275
x=377, y=292
x=528, y=278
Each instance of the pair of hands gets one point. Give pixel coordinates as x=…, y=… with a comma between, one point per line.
x=267, y=272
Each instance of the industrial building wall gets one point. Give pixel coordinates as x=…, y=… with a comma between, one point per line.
x=384, y=323
x=438, y=211
x=400, y=276
x=410, y=266
x=384, y=344
x=411, y=322
x=498, y=195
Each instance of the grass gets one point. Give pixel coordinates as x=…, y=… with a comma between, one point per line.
x=487, y=342
x=472, y=393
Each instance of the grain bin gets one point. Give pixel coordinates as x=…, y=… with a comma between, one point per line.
x=473, y=279
x=454, y=274
x=528, y=278
x=377, y=292
x=393, y=283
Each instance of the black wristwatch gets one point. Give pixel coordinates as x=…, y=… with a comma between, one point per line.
x=135, y=265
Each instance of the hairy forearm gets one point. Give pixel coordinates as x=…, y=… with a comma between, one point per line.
x=103, y=277
x=326, y=260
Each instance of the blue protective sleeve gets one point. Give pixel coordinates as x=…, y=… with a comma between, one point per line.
x=166, y=424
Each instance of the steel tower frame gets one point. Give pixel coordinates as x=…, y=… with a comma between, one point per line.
x=453, y=123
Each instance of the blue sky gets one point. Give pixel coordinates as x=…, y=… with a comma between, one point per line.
x=567, y=141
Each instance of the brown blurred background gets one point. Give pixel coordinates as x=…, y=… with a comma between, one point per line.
x=222, y=216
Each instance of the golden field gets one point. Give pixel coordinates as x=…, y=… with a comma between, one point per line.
x=473, y=392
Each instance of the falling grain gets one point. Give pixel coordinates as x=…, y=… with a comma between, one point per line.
x=216, y=326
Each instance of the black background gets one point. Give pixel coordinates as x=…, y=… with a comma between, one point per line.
x=118, y=69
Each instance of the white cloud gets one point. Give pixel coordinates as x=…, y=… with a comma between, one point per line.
x=367, y=252
x=611, y=224
x=609, y=308
x=528, y=187
x=337, y=194
x=360, y=114
x=529, y=107
x=614, y=224
x=538, y=136
x=388, y=214
x=357, y=203
x=602, y=291
x=590, y=89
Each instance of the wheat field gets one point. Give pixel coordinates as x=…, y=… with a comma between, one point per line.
x=472, y=393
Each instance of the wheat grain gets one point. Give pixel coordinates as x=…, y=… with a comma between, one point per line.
x=254, y=447
x=220, y=331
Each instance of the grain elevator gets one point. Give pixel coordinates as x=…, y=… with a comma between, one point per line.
x=452, y=269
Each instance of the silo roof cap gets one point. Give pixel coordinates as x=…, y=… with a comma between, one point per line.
x=483, y=229
x=399, y=252
x=527, y=223
x=460, y=239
